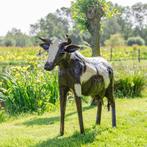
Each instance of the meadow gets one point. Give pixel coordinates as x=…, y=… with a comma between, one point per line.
x=31, y=114
x=30, y=130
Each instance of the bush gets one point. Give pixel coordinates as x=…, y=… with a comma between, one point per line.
x=1, y=41
x=115, y=40
x=3, y=116
x=27, y=89
x=135, y=41
x=129, y=85
x=9, y=42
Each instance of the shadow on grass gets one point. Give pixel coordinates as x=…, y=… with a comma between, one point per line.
x=51, y=120
x=76, y=140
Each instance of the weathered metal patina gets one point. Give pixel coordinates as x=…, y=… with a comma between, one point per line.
x=84, y=76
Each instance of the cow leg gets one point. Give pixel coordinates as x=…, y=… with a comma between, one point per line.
x=113, y=113
x=111, y=101
x=108, y=105
x=80, y=116
x=63, y=98
x=99, y=111
x=78, y=95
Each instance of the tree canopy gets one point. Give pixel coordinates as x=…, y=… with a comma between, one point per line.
x=88, y=14
x=81, y=8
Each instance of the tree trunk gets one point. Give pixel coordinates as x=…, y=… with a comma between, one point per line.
x=95, y=42
x=93, y=25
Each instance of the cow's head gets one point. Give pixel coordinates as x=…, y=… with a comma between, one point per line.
x=57, y=51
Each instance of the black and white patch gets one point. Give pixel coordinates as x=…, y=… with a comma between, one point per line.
x=53, y=50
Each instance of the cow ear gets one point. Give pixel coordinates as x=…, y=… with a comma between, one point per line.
x=71, y=48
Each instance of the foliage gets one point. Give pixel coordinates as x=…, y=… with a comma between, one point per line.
x=27, y=89
x=139, y=10
x=1, y=41
x=3, y=116
x=17, y=54
x=115, y=40
x=109, y=27
x=130, y=85
x=9, y=42
x=25, y=77
x=87, y=15
x=16, y=38
x=129, y=22
x=135, y=41
x=80, y=7
x=53, y=25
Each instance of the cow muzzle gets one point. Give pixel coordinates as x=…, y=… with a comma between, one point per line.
x=48, y=66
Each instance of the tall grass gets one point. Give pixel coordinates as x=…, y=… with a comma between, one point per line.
x=130, y=85
x=3, y=116
x=27, y=89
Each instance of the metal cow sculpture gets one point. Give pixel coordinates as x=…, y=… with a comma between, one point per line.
x=84, y=76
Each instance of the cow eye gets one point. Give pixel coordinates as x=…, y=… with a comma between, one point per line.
x=62, y=53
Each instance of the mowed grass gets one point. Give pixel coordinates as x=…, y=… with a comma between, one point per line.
x=43, y=131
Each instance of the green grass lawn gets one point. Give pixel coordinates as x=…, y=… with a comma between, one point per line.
x=42, y=131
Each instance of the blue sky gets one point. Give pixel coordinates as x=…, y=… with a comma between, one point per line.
x=22, y=13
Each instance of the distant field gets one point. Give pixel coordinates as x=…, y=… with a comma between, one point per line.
x=42, y=131
x=124, y=59
x=10, y=54
x=15, y=54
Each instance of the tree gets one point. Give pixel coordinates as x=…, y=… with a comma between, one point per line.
x=124, y=20
x=54, y=24
x=1, y=41
x=144, y=32
x=88, y=15
x=139, y=11
x=109, y=27
x=64, y=13
x=9, y=42
x=16, y=38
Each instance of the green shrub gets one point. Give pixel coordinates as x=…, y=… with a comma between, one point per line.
x=115, y=40
x=135, y=41
x=9, y=42
x=28, y=89
x=129, y=85
x=3, y=116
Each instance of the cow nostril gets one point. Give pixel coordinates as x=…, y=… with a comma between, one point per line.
x=47, y=64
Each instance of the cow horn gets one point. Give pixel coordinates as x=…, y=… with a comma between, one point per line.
x=45, y=40
x=68, y=42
